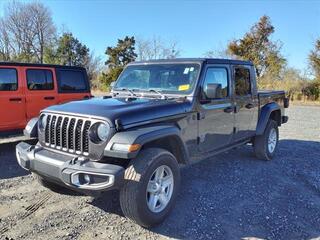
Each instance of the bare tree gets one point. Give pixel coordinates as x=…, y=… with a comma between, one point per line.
x=93, y=65
x=218, y=54
x=44, y=30
x=28, y=29
x=19, y=30
x=4, y=43
x=155, y=48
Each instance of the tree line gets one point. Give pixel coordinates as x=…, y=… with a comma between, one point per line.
x=28, y=34
x=256, y=46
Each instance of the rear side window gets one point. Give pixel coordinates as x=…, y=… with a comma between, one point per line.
x=242, y=81
x=72, y=81
x=8, y=79
x=39, y=79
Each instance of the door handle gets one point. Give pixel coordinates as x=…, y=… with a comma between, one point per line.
x=249, y=105
x=228, y=110
x=15, y=99
x=49, y=98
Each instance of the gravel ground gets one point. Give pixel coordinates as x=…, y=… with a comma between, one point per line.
x=230, y=196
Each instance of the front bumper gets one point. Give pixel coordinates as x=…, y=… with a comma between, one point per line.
x=73, y=172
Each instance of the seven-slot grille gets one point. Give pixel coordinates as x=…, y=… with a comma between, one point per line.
x=70, y=134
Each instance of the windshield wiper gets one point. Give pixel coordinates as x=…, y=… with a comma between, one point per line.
x=129, y=90
x=159, y=93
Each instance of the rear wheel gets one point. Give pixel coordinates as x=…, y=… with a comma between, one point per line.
x=265, y=145
x=151, y=187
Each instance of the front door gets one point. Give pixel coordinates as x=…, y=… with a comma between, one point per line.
x=41, y=90
x=12, y=99
x=216, y=117
x=245, y=105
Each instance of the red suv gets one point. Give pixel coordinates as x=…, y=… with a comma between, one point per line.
x=25, y=89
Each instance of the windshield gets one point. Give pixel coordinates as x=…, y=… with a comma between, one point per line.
x=166, y=78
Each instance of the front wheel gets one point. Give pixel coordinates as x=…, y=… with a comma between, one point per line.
x=265, y=145
x=151, y=187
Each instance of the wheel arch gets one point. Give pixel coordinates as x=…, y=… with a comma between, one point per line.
x=171, y=143
x=165, y=136
x=269, y=111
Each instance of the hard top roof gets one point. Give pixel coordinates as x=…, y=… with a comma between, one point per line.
x=38, y=65
x=199, y=60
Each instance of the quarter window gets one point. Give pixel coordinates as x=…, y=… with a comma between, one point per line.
x=8, y=79
x=242, y=81
x=219, y=76
x=39, y=79
x=72, y=81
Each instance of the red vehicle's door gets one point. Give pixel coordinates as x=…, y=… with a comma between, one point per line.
x=41, y=89
x=12, y=99
x=73, y=84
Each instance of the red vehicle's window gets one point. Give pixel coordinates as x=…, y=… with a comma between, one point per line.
x=72, y=81
x=8, y=79
x=39, y=79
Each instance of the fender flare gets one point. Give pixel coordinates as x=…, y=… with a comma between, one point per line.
x=31, y=129
x=265, y=115
x=143, y=136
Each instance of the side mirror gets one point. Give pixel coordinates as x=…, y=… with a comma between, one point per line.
x=213, y=90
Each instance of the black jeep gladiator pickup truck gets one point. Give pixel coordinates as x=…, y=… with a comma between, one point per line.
x=160, y=114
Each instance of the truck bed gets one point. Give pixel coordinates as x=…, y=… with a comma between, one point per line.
x=267, y=96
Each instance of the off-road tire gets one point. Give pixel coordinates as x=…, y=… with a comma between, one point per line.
x=260, y=143
x=133, y=199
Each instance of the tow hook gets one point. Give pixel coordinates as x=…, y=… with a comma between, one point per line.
x=78, y=159
x=74, y=161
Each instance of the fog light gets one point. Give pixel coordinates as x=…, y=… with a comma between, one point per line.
x=93, y=181
x=86, y=179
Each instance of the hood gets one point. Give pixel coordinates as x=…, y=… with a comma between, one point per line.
x=130, y=111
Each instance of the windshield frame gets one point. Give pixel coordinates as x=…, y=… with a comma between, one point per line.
x=147, y=92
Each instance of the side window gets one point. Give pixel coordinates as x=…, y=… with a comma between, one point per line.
x=242, y=81
x=39, y=79
x=8, y=79
x=72, y=81
x=220, y=76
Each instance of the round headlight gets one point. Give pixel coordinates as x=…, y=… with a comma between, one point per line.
x=43, y=122
x=103, y=131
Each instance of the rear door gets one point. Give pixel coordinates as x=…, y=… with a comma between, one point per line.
x=41, y=90
x=73, y=84
x=12, y=99
x=245, y=102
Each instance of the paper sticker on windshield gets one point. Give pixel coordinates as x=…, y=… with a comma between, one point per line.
x=184, y=87
x=191, y=69
x=186, y=71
